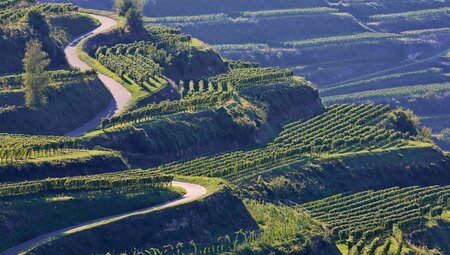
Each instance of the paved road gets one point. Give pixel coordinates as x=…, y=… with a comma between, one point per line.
x=193, y=191
x=121, y=96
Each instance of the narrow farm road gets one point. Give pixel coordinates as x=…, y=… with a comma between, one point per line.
x=121, y=96
x=193, y=191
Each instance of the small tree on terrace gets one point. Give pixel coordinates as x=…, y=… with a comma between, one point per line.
x=122, y=6
x=132, y=11
x=35, y=78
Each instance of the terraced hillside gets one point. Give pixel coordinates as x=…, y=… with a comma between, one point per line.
x=210, y=155
x=332, y=44
x=53, y=26
x=383, y=221
x=339, y=129
x=27, y=207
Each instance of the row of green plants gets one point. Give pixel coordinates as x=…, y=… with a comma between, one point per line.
x=412, y=14
x=358, y=219
x=7, y=3
x=165, y=36
x=363, y=38
x=13, y=15
x=381, y=82
x=24, y=147
x=356, y=38
x=243, y=77
x=340, y=128
x=417, y=91
x=289, y=12
x=224, y=48
x=126, y=180
x=138, y=61
x=16, y=80
x=196, y=101
x=217, y=17
x=223, y=18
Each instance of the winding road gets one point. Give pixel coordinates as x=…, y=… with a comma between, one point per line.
x=193, y=191
x=121, y=96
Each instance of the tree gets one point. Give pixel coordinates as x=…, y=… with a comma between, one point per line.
x=132, y=11
x=37, y=22
x=35, y=78
x=403, y=120
x=134, y=19
x=122, y=6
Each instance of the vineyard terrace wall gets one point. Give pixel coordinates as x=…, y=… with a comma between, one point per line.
x=217, y=215
x=213, y=130
x=353, y=173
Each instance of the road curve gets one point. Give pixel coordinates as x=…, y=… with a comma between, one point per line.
x=121, y=96
x=193, y=191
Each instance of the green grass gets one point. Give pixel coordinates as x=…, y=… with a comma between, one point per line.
x=71, y=155
x=446, y=216
x=33, y=215
x=212, y=185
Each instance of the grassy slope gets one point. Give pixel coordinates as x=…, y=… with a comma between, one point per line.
x=70, y=105
x=26, y=217
x=315, y=178
x=218, y=213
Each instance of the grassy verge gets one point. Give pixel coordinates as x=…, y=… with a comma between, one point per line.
x=71, y=155
x=212, y=185
x=137, y=93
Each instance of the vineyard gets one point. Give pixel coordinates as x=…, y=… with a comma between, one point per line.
x=222, y=18
x=15, y=81
x=140, y=61
x=417, y=91
x=289, y=12
x=365, y=221
x=241, y=78
x=341, y=128
x=345, y=39
x=388, y=81
x=126, y=180
x=280, y=225
x=372, y=37
x=218, y=17
x=23, y=147
x=194, y=102
x=413, y=15
x=13, y=15
x=247, y=136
